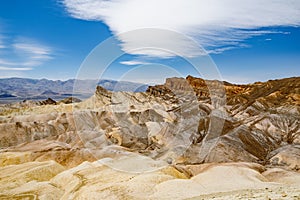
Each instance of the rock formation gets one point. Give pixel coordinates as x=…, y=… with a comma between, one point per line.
x=173, y=131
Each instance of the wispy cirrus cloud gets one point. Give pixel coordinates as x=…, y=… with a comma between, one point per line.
x=15, y=68
x=133, y=62
x=217, y=25
x=2, y=46
x=35, y=52
x=24, y=54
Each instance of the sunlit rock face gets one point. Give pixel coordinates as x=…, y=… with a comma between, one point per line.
x=165, y=131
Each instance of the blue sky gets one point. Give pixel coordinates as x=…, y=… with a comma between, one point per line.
x=51, y=38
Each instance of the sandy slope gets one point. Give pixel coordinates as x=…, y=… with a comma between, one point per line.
x=94, y=180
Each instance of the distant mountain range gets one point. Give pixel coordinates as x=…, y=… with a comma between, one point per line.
x=21, y=88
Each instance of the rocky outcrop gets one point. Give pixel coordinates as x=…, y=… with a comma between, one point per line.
x=174, y=122
x=260, y=118
x=287, y=157
x=48, y=101
x=69, y=100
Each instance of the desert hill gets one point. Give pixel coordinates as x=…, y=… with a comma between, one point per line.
x=188, y=138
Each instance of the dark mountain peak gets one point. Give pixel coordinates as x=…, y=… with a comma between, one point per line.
x=49, y=92
x=6, y=95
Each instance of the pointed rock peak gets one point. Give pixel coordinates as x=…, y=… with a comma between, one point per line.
x=100, y=91
x=191, y=77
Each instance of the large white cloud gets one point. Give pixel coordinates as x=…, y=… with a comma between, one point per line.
x=218, y=25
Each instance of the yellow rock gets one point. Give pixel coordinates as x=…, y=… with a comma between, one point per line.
x=13, y=176
x=14, y=158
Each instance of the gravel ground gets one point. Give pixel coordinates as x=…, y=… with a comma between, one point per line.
x=276, y=193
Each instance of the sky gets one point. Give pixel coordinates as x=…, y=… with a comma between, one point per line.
x=147, y=41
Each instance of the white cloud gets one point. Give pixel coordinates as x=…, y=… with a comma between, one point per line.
x=23, y=54
x=133, y=62
x=34, y=49
x=2, y=46
x=14, y=68
x=218, y=25
x=35, y=53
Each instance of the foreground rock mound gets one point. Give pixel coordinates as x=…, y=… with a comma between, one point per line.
x=94, y=180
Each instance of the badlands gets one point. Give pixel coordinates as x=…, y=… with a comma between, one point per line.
x=186, y=139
